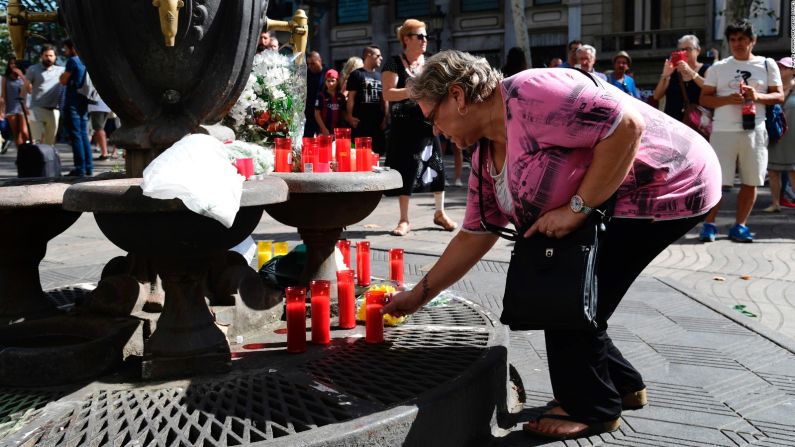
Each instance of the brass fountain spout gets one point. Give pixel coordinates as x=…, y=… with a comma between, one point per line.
x=18, y=18
x=169, y=18
x=298, y=29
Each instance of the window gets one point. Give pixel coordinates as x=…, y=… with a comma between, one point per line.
x=765, y=15
x=479, y=5
x=412, y=9
x=546, y=2
x=352, y=11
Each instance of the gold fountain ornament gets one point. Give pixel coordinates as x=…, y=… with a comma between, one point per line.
x=169, y=18
x=298, y=29
x=17, y=18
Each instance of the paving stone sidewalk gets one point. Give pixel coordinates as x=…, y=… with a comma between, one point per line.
x=715, y=376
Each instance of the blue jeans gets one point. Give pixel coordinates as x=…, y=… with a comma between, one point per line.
x=77, y=120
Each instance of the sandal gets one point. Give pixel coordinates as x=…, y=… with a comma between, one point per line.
x=591, y=429
x=441, y=219
x=403, y=228
x=630, y=401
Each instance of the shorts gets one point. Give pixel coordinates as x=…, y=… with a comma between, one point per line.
x=98, y=120
x=743, y=150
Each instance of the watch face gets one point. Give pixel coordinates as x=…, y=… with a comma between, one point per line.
x=576, y=204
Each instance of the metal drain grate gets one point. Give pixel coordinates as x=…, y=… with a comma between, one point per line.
x=17, y=405
x=374, y=373
x=66, y=296
x=456, y=313
x=230, y=413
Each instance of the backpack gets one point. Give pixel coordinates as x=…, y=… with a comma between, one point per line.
x=88, y=90
x=775, y=121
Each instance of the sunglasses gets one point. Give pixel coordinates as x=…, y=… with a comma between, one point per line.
x=422, y=37
x=431, y=118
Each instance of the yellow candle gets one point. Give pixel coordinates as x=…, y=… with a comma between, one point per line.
x=264, y=252
x=280, y=248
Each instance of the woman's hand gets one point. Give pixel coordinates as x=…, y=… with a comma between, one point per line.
x=557, y=223
x=403, y=303
x=668, y=69
x=685, y=70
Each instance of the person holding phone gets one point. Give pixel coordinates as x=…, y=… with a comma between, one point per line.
x=683, y=64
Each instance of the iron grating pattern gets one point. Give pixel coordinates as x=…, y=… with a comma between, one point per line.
x=235, y=412
x=19, y=405
x=455, y=313
x=374, y=373
x=66, y=296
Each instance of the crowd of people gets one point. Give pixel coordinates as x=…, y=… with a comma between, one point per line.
x=48, y=94
x=376, y=103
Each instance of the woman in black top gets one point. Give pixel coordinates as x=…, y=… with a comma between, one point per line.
x=412, y=149
x=692, y=73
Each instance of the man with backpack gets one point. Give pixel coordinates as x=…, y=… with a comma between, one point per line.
x=76, y=111
x=739, y=88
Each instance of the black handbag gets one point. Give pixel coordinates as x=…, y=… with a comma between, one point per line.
x=551, y=283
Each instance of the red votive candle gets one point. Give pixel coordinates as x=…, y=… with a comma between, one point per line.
x=346, y=297
x=245, y=167
x=321, y=311
x=324, y=148
x=376, y=159
x=396, y=265
x=363, y=263
x=374, y=321
x=343, y=141
x=296, y=319
x=345, y=249
x=284, y=160
x=308, y=154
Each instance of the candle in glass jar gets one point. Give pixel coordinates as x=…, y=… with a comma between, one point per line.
x=363, y=263
x=321, y=311
x=396, y=265
x=280, y=248
x=263, y=253
x=374, y=320
x=345, y=249
x=343, y=145
x=296, y=319
x=346, y=297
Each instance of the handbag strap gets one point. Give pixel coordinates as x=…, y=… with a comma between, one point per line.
x=685, y=98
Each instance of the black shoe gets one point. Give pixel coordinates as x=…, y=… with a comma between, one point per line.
x=75, y=173
x=101, y=158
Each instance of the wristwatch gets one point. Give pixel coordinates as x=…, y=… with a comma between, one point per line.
x=577, y=205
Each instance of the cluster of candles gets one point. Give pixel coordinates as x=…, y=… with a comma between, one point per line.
x=346, y=296
x=321, y=154
x=268, y=249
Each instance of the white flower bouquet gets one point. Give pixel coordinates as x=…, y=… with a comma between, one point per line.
x=273, y=100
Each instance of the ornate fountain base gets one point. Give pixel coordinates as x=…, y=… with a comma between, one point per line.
x=321, y=205
x=184, y=249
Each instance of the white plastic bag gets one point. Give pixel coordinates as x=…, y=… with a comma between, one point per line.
x=196, y=170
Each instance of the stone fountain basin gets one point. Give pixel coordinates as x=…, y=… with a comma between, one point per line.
x=62, y=349
x=147, y=226
x=331, y=200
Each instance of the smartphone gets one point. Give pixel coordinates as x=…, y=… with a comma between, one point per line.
x=677, y=56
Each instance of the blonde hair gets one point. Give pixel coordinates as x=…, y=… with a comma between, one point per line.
x=451, y=67
x=351, y=64
x=407, y=28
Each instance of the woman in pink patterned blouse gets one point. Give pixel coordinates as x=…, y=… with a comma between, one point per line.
x=560, y=143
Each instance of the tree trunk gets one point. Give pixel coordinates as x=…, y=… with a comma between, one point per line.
x=520, y=28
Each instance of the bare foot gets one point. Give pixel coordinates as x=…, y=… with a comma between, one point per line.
x=443, y=220
x=555, y=427
x=403, y=228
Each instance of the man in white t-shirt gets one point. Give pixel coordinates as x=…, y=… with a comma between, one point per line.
x=729, y=84
x=45, y=94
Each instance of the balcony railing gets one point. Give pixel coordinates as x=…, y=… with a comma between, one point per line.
x=645, y=40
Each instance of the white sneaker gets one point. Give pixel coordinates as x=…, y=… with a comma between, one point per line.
x=458, y=183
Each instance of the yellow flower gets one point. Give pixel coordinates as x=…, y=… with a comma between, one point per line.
x=389, y=320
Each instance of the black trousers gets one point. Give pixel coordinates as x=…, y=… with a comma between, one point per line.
x=588, y=373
